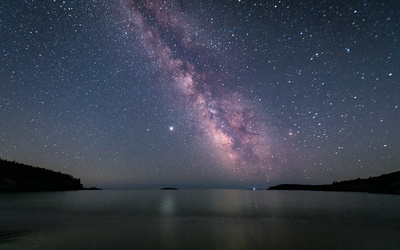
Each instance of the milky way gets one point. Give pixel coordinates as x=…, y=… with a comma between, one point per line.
x=233, y=128
x=135, y=93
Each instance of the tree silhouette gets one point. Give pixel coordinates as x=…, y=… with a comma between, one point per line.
x=16, y=176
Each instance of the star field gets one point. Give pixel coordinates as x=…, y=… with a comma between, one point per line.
x=127, y=93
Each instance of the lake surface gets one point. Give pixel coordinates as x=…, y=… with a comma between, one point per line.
x=199, y=219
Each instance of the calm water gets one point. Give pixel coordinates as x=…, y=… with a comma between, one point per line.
x=199, y=219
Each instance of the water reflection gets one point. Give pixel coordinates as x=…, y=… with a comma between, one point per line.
x=200, y=219
x=167, y=204
x=168, y=225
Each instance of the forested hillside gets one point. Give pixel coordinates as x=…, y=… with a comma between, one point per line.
x=386, y=184
x=17, y=177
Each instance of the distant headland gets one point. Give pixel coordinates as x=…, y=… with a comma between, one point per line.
x=384, y=184
x=18, y=177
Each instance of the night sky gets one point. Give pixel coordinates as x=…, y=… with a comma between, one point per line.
x=140, y=93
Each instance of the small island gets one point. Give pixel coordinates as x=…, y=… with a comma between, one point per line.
x=169, y=188
x=18, y=177
x=384, y=184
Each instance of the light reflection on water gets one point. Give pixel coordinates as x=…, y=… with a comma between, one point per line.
x=199, y=219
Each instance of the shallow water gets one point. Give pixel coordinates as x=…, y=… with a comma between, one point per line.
x=199, y=219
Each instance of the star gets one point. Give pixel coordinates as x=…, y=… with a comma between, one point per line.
x=226, y=93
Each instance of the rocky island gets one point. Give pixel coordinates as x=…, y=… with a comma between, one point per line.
x=18, y=177
x=384, y=184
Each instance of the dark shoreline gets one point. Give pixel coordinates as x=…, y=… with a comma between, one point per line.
x=10, y=236
x=384, y=184
x=48, y=190
x=16, y=177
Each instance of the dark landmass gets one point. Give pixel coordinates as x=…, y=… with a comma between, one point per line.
x=169, y=188
x=91, y=188
x=10, y=236
x=17, y=177
x=384, y=184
